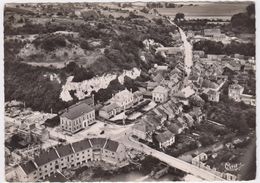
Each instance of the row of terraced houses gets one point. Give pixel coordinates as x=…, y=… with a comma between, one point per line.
x=73, y=155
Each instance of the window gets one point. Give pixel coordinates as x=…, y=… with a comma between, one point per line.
x=50, y=163
x=45, y=166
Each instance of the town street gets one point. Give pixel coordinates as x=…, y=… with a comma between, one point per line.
x=129, y=142
x=187, y=50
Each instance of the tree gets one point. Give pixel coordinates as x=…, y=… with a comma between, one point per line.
x=179, y=17
x=250, y=9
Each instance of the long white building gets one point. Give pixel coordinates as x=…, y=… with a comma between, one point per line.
x=67, y=156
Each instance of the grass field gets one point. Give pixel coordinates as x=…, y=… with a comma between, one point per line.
x=207, y=9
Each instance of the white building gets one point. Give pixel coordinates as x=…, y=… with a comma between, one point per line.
x=123, y=99
x=235, y=91
x=213, y=95
x=77, y=117
x=77, y=154
x=160, y=94
x=165, y=139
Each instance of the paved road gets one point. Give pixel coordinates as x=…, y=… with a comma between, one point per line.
x=187, y=50
x=128, y=141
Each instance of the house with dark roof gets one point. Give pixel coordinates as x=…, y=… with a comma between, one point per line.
x=77, y=117
x=114, y=152
x=27, y=172
x=140, y=130
x=65, y=152
x=82, y=152
x=213, y=95
x=165, y=139
x=48, y=163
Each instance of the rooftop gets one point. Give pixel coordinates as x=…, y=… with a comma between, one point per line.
x=165, y=136
x=28, y=167
x=46, y=157
x=81, y=145
x=77, y=110
x=64, y=150
x=111, y=145
x=160, y=89
x=98, y=142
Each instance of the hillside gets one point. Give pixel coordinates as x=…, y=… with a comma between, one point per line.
x=49, y=60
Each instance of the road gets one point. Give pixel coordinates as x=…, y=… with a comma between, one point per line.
x=129, y=142
x=187, y=50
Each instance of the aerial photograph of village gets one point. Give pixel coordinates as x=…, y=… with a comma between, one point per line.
x=129, y=91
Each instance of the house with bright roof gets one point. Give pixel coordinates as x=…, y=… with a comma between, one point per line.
x=123, y=99
x=235, y=91
x=160, y=94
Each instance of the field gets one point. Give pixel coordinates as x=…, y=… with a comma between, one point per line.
x=217, y=10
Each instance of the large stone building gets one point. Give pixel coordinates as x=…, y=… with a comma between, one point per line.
x=77, y=117
x=75, y=155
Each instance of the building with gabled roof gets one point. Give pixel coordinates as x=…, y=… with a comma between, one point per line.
x=235, y=91
x=67, y=156
x=160, y=94
x=26, y=172
x=112, y=152
x=123, y=99
x=109, y=111
x=213, y=95
x=165, y=139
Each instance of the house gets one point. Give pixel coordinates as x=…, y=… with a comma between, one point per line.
x=213, y=95
x=197, y=114
x=27, y=172
x=109, y=110
x=138, y=96
x=169, y=50
x=123, y=99
x=202, y=157
x=235, y=91
x=165, y=139
x=77, y=117
x=139, y=130
x=114, y=152
x=65, y=152
x=185, y=92
x=175, y=128
x=248, y=99
x=151, y=85
x=77, y=154
x=189, y=120
x=160, y=94
x=47, y=163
